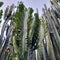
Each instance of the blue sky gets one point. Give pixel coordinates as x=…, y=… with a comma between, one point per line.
x=28, y=3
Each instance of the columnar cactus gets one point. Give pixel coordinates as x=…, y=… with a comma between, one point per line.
x=24, y=36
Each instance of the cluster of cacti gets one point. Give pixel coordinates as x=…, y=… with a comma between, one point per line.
x=6, y=30
x=51, y=17
x=24, y=36
x=25, y=33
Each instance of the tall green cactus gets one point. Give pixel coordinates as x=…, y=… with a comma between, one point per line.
x=18, y=41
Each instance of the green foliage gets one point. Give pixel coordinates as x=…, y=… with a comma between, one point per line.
x=1, y=13
x=36, y=25
x=36, y=30
x=21, y=7
x=1, y=3
x=30, y=18
x=30, y=14
x=30, y=21
x=30, y=10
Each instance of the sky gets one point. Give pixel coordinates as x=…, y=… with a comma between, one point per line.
x=39, y=4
